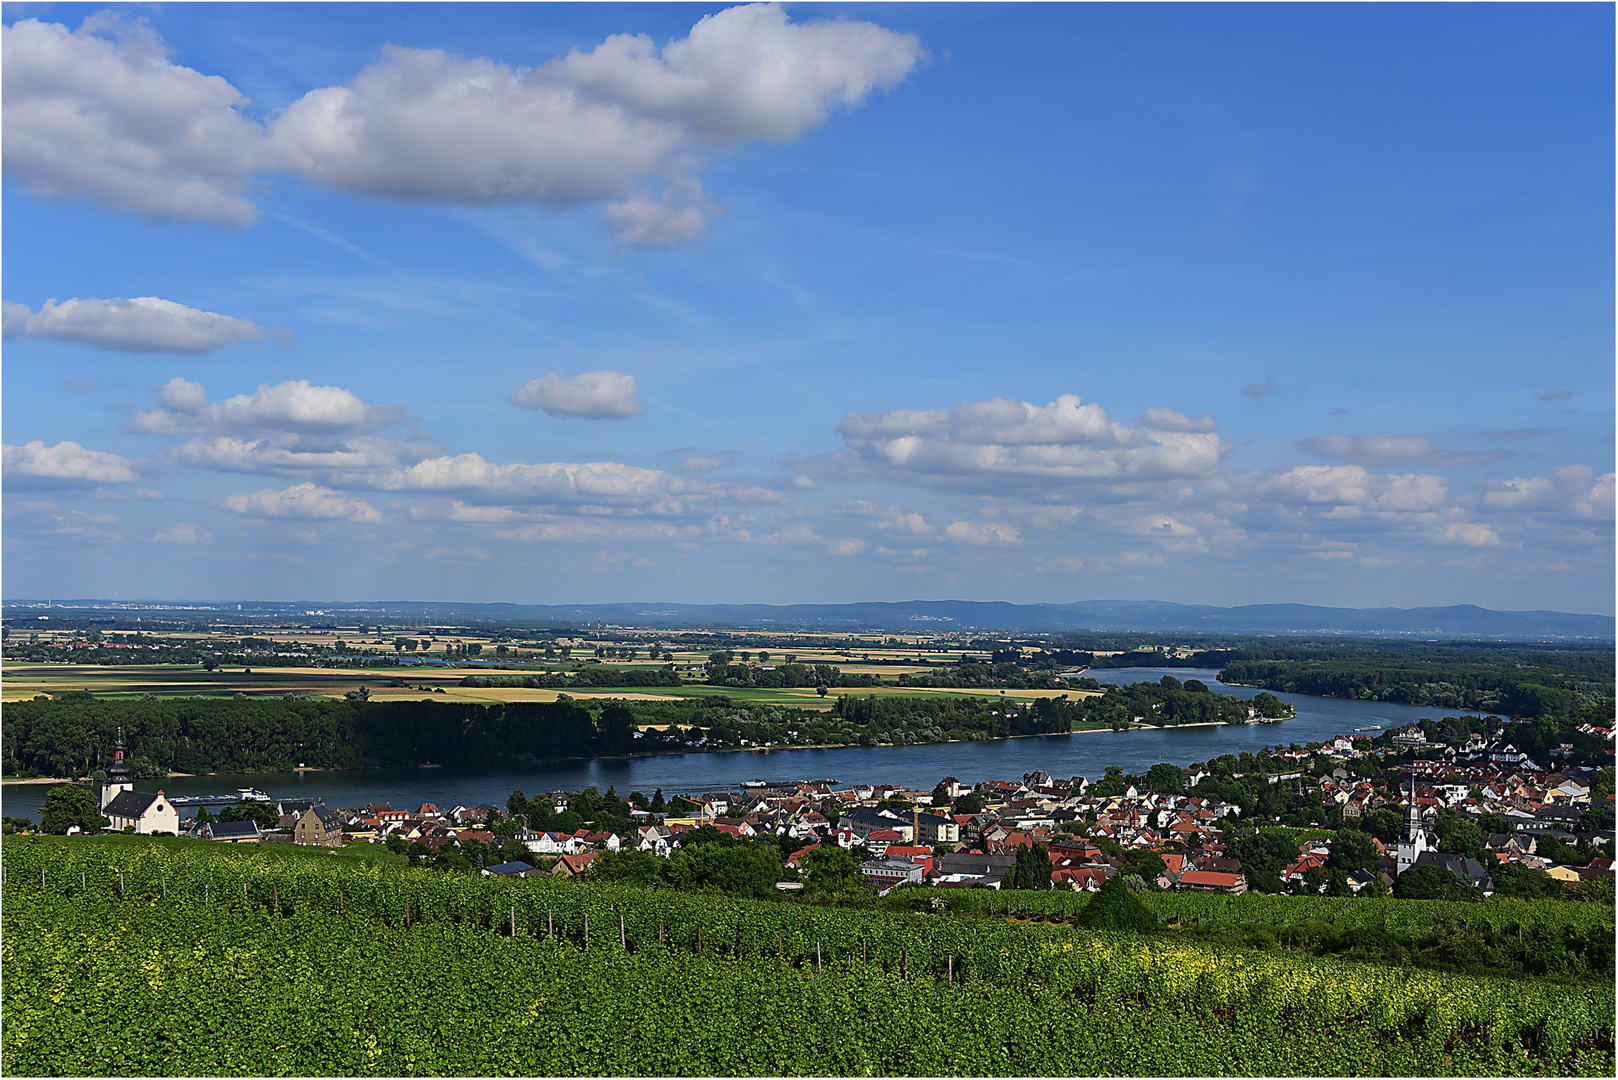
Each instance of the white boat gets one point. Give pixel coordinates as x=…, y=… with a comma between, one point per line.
x=247, y=794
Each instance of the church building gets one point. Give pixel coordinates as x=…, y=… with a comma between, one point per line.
x=125, y=806
x=1413, y=838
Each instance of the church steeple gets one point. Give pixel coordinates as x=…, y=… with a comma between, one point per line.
x=1412, y=813
x=118, y=775
x=118, y=769
x=1413, y=839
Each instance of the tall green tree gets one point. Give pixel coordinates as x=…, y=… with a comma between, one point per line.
x=831, y=870
x=1351, y=850
x=1166, y=778
x=67, y=805
x=1432, y=883
x=636, y=867
x=1458, y=835
x=743, y=869
x=1032, y=868
x=261, y=812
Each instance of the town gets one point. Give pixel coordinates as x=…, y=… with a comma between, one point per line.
x=1457, y=803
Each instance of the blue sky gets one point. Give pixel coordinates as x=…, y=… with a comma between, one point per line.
x=1212, y=303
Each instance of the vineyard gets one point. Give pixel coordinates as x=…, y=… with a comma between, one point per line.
x=235, y=963
x=1502, y=913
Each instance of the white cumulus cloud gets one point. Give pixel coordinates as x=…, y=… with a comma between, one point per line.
x=594, y=395
x=1469, y=534
x=603, y=482
x=141, y=324
x=353, y=457
x=681, y=213
x=1065, y=440
x=746, y=72
x=102, y=114
x=66, y=463
x=982, y=532
x=183, y=532
x=1353, y=486
x=294, y=408
x=307, y=502
x=1570, y=489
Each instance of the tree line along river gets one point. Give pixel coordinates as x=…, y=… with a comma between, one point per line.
x=915, y=766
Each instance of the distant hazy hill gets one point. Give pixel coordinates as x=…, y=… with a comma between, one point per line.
x=1466, y=621
x=1460, y=621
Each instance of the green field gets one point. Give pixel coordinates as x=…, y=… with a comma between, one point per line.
x=244, y=962
x=20, y=681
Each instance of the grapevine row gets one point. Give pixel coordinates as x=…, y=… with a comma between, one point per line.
x=333, y=993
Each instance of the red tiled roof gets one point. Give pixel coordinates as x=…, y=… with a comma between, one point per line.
x=576, y=863
x=1209, y=878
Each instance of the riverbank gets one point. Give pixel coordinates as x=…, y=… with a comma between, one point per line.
x=682, y=752
x=914, y=765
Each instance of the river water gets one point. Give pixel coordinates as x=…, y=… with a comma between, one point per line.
x=1082, y=754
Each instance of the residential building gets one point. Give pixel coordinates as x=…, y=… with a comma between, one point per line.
x=886, y=873
x=318, y=825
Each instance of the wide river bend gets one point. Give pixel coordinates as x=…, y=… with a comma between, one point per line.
x=1082, y=754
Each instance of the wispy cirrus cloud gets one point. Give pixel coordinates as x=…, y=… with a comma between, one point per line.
x=1383, y=451
x=1517, y=433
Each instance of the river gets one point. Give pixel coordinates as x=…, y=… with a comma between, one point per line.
x=1082, y=754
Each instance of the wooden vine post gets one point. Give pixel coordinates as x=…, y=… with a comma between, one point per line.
x=623, y=936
